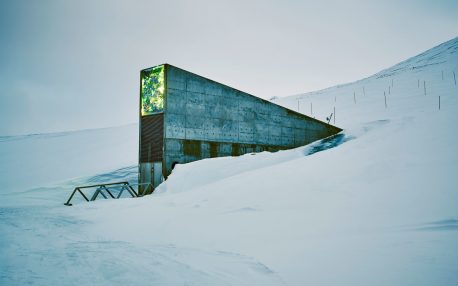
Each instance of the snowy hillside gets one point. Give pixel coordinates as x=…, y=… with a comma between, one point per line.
x=374, y=205
x=42, y=159
x=410, y=87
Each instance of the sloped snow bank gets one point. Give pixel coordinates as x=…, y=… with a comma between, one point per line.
x=374, y=205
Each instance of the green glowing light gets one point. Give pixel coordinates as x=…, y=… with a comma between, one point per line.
x=152, y=95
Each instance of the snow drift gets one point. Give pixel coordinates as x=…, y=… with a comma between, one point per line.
x=374, y=205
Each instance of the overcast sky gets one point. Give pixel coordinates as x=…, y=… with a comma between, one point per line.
x=67, y=65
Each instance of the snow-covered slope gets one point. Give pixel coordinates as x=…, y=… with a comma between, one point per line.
x=42, y=159
x=409, y=87
x=374, y=205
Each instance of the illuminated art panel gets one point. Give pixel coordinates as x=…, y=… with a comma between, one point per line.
x=152, y=90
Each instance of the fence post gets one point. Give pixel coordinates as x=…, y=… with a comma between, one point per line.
x=334, y=115
x=385, y=99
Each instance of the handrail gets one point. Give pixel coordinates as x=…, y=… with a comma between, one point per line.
x=104, y=191
x=109, y=184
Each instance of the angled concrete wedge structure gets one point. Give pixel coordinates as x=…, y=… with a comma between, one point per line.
x=185, y=117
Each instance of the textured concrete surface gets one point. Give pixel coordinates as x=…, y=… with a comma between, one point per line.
x=203, y=119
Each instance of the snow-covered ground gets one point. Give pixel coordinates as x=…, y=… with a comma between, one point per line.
x=374, y=205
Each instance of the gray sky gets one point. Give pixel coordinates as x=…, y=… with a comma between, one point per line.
x=67, y=65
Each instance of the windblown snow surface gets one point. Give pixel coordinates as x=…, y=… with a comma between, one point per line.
x=374, y=205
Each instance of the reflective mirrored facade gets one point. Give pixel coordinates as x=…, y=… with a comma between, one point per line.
x=152, y=90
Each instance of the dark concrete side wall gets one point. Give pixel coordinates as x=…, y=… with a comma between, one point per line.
x=201, y=111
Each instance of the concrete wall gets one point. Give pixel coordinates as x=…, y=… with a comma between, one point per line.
x=206, y=119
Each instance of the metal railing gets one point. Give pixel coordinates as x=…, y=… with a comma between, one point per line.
x=108, y=191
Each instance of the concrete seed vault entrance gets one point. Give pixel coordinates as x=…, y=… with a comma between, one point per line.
x=185, y=117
